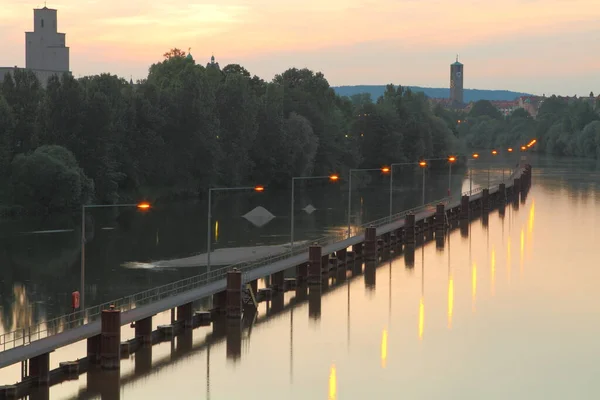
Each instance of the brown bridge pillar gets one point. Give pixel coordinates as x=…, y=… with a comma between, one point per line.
x=110, y=339
x=314, y=265
x=234, y=293
x=409, y=229
x=185, y=313
x=39, y=369
x=277, y=280
x=143, y=330
x=370, y=243
x=485, y=200
x=464, y=207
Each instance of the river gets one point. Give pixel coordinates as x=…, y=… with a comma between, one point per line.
x=502, y=313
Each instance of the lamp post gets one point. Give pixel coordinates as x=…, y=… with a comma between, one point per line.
x=141, y=206
x=258, y=189
x=384, y=170
x=494, y=153
x=475, y=156
x=451, y=160
x=423, y=164
x=392, y=182
x=333, y=178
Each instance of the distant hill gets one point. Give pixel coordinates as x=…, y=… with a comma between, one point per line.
x=470, y=94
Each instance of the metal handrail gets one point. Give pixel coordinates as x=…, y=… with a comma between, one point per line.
x=24, y=336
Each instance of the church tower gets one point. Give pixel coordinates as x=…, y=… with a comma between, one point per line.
x=456, y=83
x=45, y=48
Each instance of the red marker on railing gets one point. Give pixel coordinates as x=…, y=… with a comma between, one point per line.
x=75, y=300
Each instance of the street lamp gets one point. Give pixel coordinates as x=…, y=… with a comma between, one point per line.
x=141, y=206
x=475, y=156
x=451, y=160
x=384, y=170
x=423, y=164
x=258, y=189
x=391, y=171
x=332, y=178
x=494, y=153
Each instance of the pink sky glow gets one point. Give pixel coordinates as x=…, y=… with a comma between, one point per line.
x=537, y=46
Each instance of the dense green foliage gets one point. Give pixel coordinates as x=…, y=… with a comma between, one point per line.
x=376, y=91
x=564, y=128
x=186, y=127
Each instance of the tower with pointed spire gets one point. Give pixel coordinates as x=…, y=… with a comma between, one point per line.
x=213, y=64
x=456, y=83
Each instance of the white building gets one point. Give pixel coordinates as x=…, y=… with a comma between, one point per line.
x=45, y=51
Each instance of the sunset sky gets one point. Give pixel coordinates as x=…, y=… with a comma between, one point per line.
x=536, y=46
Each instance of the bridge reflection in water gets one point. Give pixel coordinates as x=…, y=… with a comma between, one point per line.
x=236, y=335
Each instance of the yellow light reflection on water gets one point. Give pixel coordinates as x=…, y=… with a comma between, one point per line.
x=384, y=337
x=508, y=259
x=332, y=383
x=474, y=285
x=531, y=216
x=216, y=231
x=450, y=301
x=421, y=317
x=493, y=270
x=522, y=256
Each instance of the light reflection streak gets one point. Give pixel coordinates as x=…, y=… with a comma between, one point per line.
x=493, y=270
x=508, y=260
x=216, y=231
x=422, y=300
x=450, y=301
x=473, y=285
x=531, y=217
x=450, y=289
x=384, y=338
x=332, y=383
x=522, y=256
x=421, y=317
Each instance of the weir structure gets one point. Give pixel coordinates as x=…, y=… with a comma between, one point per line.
x=314, y=265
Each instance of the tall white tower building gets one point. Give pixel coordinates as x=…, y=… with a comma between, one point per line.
x=45, y=52
x=45, y=48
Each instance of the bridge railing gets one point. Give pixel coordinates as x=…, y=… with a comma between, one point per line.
x=24, y=336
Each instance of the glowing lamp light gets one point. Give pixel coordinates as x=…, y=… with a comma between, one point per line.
x=523, y=148
x=451, y=159
x=334, y=177
x=385, y=170
x=143, y=206
x=510, y=149
x=422, y=163
x=531, y=143
x=475, y=155
x=494, y=152
x=259, y=189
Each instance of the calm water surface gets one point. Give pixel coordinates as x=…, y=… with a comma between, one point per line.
x=510, y=311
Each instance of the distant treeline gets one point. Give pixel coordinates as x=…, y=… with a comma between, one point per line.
x=186, y=127
x=562, y=127
x=375, y=91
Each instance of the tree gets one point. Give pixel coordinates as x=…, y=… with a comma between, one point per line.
x=49, y=178
x=485, y=108
x=186, y=127
x=174, y=53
